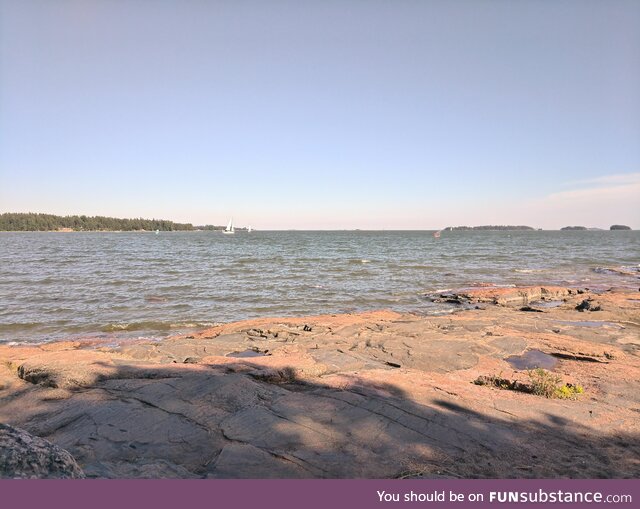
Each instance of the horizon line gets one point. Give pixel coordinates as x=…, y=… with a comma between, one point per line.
x=479, y=227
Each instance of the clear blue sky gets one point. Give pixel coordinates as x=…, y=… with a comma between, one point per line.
x=323, y=114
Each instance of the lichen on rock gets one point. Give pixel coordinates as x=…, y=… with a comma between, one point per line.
x=24, y=456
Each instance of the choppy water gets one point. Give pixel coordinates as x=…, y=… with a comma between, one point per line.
x=56, y=285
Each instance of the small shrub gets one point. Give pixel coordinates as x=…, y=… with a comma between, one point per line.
x=500, y=383
x=564, y=392
x=544, y=383
x=548, y=385
x=569, y=391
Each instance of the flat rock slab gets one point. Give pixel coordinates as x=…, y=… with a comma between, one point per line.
x=373, y=395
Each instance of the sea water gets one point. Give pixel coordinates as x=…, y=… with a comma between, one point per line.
x=117, y=284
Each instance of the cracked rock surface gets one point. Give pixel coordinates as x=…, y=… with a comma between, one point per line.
x=369, y=395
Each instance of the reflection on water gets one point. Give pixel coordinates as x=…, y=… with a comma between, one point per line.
x=246, y=353
x=587, y=323
x=532, y=359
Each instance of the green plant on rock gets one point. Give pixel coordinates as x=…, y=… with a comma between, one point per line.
x=568, y=391
x=543, y=383
x=500, y=382
x=549, y=385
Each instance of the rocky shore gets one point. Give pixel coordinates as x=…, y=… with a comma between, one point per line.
x=373, y=395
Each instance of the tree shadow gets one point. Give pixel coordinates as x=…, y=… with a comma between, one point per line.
x=241, y=420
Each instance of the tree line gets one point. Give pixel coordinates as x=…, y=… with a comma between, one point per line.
x=12, y=221
x=489, y=227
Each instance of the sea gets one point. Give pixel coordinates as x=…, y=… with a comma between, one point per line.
x=130, y=285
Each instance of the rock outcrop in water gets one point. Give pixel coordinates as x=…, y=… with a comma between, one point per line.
x=374, y=395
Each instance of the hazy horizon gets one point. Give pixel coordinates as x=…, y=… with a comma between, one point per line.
x=242, y=226
x=336, y=115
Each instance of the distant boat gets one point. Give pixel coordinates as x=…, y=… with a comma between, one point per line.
x=249, y=229
x=436, y=235
x=229, y=228
x=157, y=231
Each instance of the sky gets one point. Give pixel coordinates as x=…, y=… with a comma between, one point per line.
x=332, y=114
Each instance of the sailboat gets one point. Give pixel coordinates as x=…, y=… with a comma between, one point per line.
x=229, y=228
x=249, y=229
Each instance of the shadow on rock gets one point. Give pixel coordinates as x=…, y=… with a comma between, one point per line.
x=238, y=420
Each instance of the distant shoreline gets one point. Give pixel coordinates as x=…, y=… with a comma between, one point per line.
x=29, y=221
x=353, y=230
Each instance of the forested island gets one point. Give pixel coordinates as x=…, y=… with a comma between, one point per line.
x=489, y=227
x=12, y=221
x=612, y=227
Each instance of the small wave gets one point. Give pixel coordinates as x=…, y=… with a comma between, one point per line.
x=30, y=342
x=527, y=271
x=133, y=326
x=438, y=312
x=155, y=298
x=45, y=281
x=358, y=261
x=18, y=326
x=13, y=343
x=484, y=284
x=155, y=326
x=246, y=259
x=623, y=270
x=408, y=266
x=117, y=282
x=195, y=325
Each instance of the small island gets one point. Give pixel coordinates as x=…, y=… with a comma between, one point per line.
x=488, y=227
x=570, y=228
x=34, y=222
x=619, y=227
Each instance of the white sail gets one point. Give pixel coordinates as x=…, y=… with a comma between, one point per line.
x=249, y=229
x=229, y=228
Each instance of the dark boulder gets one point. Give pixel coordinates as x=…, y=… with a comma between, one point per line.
x=531, y=310
x=24, y=456
x=585, y=305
